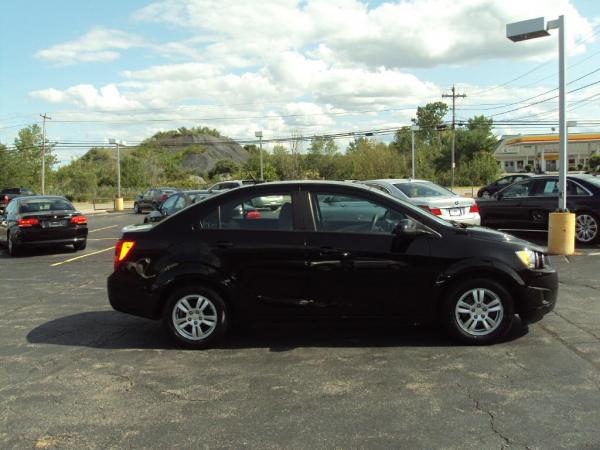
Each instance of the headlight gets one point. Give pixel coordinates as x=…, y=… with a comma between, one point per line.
x=531, y=259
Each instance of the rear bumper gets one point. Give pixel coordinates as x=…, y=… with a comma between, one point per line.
x=474, y=219
x=127, y=295
x=28, y=237
x=538, y=297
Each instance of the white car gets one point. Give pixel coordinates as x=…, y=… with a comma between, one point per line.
x=432, y=197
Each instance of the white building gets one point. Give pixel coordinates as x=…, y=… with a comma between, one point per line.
x=540, y=151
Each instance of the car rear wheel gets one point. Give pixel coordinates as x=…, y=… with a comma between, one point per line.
x=586, y=228
x=195, y=317
x=13, y=248
x=478, y=311
x=80, y=245
x=136, y=208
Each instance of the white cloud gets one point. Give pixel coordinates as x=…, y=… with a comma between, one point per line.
x=87, y=96
x=97, y=45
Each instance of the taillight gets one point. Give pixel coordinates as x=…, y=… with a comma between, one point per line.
x=474, y=208
x=253, y=215
x=5, y=199
x=122, y=249
x=436, y=211
x=79, y=220
x=25, y=223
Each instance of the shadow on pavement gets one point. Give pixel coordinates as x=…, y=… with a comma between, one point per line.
x=113, y=330
x=38, y=251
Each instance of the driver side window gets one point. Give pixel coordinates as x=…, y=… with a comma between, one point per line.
x=352, y=214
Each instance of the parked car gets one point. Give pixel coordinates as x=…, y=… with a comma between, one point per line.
x=6, y=195
x=525, y=205
x=35, y=221
x=209, y=267
x=176, y=202
x=431, y=197
x=152, y=199
x=492, y=188
x=230, y=184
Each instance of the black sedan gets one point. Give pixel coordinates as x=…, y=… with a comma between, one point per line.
x=214, y=264
x=525, y=206
x=41, y=221
x=501, y=183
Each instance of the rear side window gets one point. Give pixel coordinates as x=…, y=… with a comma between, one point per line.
x=423, y=189
x=521, y=189
x=267, y=212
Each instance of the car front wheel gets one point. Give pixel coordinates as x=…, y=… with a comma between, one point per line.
x=478, y=311
x=586, y=228
x=195, y=317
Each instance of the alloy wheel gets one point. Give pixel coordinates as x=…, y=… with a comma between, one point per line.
x=194, y=317
x=586, y=228
x=479, y=312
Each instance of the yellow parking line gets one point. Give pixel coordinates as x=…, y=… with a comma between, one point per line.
x=103, y=228
x=81, y=256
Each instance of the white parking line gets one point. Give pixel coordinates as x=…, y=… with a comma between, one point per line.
x=81, y=256
x=103, y=228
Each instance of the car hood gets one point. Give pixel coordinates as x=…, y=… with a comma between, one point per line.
x=497, y=236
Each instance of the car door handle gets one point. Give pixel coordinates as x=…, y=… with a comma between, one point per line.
x=224, y=244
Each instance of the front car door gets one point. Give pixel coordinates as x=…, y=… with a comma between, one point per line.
x=508, y=208
x=359, y=264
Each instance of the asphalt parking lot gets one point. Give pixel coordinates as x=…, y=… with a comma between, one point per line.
x=76, y=374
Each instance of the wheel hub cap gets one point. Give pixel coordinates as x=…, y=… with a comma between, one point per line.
x=479, y=312
x=194, y=317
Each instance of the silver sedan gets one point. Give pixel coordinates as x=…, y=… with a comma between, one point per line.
x=432, y=197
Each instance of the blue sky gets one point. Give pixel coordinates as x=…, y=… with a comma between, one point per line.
x=125, y=70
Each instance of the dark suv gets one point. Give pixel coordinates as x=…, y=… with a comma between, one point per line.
x=152, y=199
x=223, y=261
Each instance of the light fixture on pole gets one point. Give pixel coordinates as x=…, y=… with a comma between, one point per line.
x=414, y=128
x=259, y=135
x=561, y=231
x=118, y=198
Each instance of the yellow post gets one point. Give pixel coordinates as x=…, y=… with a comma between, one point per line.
x=561, y=233
x=118, y=203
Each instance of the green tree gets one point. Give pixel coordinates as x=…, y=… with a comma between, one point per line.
x=26, y=159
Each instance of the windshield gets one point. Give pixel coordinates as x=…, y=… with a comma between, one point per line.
x=423, y=189
x=45, y=204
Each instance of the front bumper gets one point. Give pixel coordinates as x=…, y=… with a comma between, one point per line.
x=538, y=297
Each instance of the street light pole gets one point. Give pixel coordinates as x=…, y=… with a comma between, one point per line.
x=44, y=117
x=562, y=117
x=118, y=199
x=259, y=135
x=561, y=224
x=414, y=128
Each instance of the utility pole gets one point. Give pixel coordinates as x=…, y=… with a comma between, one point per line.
x=414, y=128
x=454, y=96
x=44, y=118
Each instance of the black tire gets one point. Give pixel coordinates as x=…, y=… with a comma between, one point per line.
x=493, y=294
x=590, y=220
x=12, y=248
x=80, y=245
x=216, y=307
x=136, y=209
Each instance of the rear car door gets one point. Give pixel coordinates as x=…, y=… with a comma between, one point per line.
x=262, y=251
x=358, y=265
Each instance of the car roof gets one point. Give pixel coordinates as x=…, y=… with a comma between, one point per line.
x=397, y=180
x=40, y=197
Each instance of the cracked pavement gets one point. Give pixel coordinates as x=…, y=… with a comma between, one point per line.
x=76, y=374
